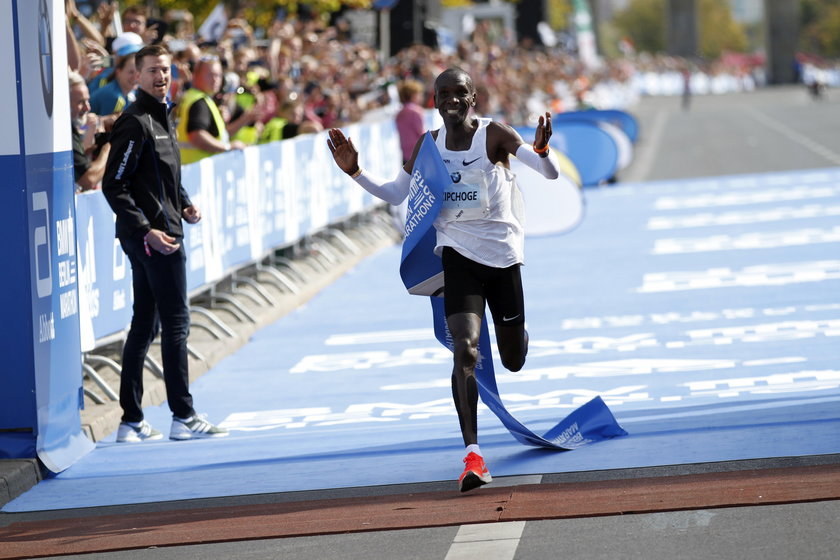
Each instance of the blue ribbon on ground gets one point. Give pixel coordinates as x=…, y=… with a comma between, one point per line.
x=422, y=273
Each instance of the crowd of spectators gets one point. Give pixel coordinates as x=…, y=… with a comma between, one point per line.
x=305, y=75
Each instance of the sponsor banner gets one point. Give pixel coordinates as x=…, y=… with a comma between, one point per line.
x=9, y=143
x=17, y=399
x=288, y=182
x=419, y=267
x=104, y=271
x=253, y=190
x=307, y=175
x=270, y=199
x=198, y=241
x=40, y=216
x=230, y=210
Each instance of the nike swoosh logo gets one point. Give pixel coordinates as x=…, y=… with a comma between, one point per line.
x=506, y=319
x=466, y=163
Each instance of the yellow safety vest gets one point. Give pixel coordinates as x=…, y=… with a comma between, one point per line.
x=190, y=153
x=273, y=130
x=247, y=134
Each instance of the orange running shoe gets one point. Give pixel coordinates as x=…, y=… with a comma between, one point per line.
x=475, y=474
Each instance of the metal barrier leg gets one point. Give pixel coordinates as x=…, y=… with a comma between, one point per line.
x=94, y=397
x=103, y=361
x=92, y=373
x=213, y=319
x=259, y=289
x=199, y=325
x=278, y=279
x=195, y=353
x=154, y=366
x=323, y=252
x=277, y=261
x=236, y=305
x=343, y=240
x=236, y=290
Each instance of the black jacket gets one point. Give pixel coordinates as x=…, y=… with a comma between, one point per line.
x=142, y=181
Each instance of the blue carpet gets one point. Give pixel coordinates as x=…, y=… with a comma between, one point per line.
x=706, y=313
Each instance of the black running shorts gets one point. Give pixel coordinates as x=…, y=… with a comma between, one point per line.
x=468, y=284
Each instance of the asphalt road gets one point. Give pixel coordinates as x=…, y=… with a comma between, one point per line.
x=775, y=129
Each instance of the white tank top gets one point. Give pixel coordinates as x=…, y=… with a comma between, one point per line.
x=483, y=213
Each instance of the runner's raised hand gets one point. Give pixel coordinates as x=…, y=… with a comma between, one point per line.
x=343, y=151
x=543, y=132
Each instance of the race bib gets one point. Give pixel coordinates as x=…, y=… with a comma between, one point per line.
x=466, y=197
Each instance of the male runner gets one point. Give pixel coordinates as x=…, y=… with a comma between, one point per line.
x=481, y=245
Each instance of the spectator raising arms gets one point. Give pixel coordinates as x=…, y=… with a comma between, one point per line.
x=90, y=146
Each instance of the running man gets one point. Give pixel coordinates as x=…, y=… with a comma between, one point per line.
x=481, y=245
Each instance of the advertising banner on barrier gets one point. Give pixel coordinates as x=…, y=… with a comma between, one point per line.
x=41, y=224
x=230, y=209
x=196, y=237
x=104, y=272
x=271, y=200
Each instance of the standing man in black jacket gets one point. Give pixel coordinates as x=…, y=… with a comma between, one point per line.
x=142, y=184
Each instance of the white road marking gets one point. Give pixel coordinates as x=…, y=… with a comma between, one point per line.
x=746, y=241
x=488, y=541
x=791, y=134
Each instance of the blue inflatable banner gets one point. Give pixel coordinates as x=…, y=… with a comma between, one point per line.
x=623, y=120
x=422, y=274
x=591, y=149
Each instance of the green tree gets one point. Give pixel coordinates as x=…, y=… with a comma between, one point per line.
x=820, y=33
x=254, y=9
x=558, y=13
x=719, y=32
x=643, y=21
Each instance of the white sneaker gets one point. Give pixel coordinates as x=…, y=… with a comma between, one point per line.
x=194, y=428
x=127, y=433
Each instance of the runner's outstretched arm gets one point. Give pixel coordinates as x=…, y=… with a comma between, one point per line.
x=346, y=156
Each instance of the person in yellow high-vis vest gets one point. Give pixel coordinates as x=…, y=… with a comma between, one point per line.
x=202, y=131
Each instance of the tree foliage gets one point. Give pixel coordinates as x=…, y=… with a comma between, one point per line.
x=820, y=32
x=558, y=13
x=719, y=32
x=257, y=9
x=643, y=22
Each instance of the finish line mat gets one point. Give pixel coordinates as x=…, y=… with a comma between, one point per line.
x=208, y=524
x=705, y=313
